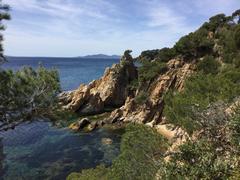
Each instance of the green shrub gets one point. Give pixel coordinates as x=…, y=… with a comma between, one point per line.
x=197, y=160
x=195, y=44
x=208, y=65
x=141, y=150
x=165, y=54
x=141, y=98
x=213, y=153
x=237, y=36
x=149, y=55
x=200, y=91
x=217, y=21
x=236, y=61
x=133, y=85
x=99, y=173
x=235, y=129
x=149, y=70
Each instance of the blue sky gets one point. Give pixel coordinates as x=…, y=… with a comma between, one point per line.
x=79, y=27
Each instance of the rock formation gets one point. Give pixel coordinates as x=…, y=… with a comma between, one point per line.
x=109, y=91
x=151, y=111
x=112, y=91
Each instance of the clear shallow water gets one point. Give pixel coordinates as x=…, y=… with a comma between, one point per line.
x=39, y=150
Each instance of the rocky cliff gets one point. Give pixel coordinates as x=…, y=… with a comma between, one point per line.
x=151, y=110
x=110, y=91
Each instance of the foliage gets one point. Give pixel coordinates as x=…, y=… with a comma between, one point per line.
x=236, y=14
x=217, y=21
x=149, y=55
x=214, y=154
x=235, y=128
x=208, y=65
x=236, y=61
x=4, y=15
x=98, y=173
x=226, y=39
x=133, y=85
x=150, y=70
x=165, y=54
x=195, y=44
x=200, y=91
x=141, y=147
x=141, y=98
x=162, y=55
x=27, y=93
x=197, y=160
x=237, y=36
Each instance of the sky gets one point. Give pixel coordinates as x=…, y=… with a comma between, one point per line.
x=69, y=28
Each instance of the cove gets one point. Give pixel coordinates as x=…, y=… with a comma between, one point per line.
x=39, y=150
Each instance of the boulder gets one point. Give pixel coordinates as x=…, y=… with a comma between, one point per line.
x=80, y=124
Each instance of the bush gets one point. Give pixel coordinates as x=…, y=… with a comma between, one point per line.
x=149, y=70
x=237, y=36
x=197, y=160
x=141, y=98
x=148, y=55
x=214, y=154
x=99, y=173
x=200, y=91
x=195, y=44
x=217, y=21
x=208, y=65
x=166, y=54
x=236, y=61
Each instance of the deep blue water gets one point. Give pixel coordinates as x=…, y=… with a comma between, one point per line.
x=73, y=71
x=38, y=150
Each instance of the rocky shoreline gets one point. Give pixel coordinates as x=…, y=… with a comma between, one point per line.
x=112, y=91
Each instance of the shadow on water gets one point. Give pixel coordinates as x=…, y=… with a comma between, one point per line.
x=41, y=151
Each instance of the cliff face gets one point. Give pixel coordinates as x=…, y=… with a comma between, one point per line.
x=112, y=90
x=151, y=111
x=109, y=91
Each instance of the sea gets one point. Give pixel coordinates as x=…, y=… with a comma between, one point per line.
x=39, y=150
x=72, y=71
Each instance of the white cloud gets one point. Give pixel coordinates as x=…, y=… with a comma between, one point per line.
x=76, y=27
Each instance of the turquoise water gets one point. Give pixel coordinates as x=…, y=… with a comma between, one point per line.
x=38, y=150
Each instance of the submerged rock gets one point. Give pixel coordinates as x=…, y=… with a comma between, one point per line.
x=107, y=141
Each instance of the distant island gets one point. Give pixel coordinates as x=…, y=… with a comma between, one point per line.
x=101, y=56
x=95, y=56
